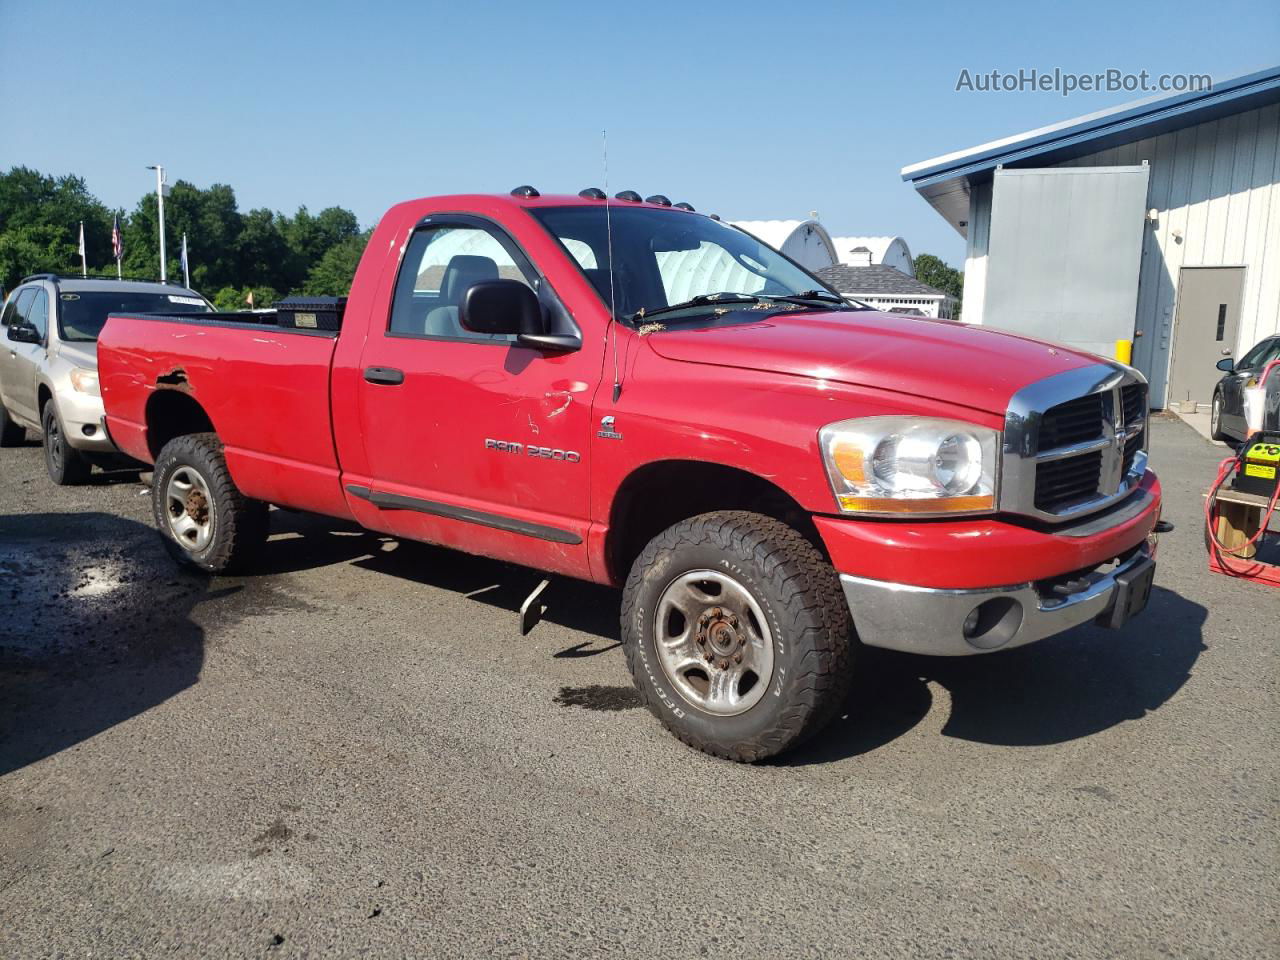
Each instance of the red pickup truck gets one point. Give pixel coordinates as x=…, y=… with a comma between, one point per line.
x=635, y=393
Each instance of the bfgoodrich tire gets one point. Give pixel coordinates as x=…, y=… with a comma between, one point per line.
x=204, y=518
x=737, y=634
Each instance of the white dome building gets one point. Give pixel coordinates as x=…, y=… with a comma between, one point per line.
x=804, y=241
x=875, y=251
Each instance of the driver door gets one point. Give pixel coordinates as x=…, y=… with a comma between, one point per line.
x=473, y=441
x=21, y=360
x=1233, y=385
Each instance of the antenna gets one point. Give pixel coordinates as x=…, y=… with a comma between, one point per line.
x=613, y=305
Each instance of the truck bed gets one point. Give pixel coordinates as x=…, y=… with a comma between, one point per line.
x=265, y=388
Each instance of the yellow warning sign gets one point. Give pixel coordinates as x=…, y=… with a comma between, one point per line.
x=1269, y=452
x=1258, y=470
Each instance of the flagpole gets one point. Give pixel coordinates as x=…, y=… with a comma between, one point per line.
x=160, y=210
x=117, y=244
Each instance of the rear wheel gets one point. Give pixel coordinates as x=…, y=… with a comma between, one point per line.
x=1215, y=418
x=204, y=518
x=66, y=465
x=11, y=434
x=737, y=634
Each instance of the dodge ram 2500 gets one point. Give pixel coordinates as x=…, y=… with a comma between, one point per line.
x=637, y=394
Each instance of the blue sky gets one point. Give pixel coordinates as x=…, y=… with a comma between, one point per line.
x=751, y=110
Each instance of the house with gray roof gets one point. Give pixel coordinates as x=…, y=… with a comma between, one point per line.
x=888, y=289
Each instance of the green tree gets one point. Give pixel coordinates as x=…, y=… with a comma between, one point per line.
x=229, y=251
x=933, y=271
x=40, y=220
x=333, y=273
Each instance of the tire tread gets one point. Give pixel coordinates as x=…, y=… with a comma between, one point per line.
x=243, y=523
x=813, y=614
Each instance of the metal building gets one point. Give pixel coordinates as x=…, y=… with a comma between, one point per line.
x=875, y=251
x=804, y=241
x=1156, y=222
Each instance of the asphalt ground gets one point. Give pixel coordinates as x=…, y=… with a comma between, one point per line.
x=353, y=752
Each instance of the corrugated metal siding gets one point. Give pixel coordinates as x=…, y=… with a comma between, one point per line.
x=1217, y=184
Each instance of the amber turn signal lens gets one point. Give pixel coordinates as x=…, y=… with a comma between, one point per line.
x=849, y=461
x=922, y=505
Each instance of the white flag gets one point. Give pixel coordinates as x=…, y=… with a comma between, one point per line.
x=81, y=250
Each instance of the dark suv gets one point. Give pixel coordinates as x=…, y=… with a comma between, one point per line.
x=1228, y=417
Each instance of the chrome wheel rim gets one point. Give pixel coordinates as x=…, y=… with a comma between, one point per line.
x=188, y=507
x=1215, y=415
x=713, y=642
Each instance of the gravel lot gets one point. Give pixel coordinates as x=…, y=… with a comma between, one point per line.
x=354, y=752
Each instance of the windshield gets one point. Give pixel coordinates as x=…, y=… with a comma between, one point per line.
x=665, y=257
x=82, y=314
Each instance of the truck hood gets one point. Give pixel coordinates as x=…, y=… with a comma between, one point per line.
x=81, y=354
x=972, y=366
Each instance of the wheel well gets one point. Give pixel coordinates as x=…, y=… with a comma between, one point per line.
x=43, y=396
x=172, y=413
x=661, y=494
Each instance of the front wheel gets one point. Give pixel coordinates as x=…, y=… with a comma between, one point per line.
x=737, y=635
x=1215, y=418
x=66, y=465
x=205, y=520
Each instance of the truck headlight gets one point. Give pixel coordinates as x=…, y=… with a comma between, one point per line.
x=85, y=381
x=916, y=465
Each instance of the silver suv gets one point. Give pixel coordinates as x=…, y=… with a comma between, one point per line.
x=49, y=362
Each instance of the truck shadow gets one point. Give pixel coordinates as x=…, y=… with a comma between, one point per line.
x=95, y=628
x=1060, y=689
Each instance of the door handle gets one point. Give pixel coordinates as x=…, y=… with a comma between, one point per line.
x=389, y=376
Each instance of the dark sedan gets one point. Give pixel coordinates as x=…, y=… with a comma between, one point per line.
x=1227, y=419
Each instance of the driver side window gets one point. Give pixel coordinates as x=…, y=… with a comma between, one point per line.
x=1253, y=358
x=16, y=313
x=38, y=313
x=440, y=265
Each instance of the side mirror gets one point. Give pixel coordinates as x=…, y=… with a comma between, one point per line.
x=510, y=307
x=24, y=333
x=1226, y=365
x=500, y=306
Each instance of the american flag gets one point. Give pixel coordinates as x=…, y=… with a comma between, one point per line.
x=117, y=241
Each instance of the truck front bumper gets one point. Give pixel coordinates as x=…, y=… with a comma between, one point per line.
x=951, y=623
x=951, y=588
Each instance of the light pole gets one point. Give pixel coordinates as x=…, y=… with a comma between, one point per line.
x=160, y=185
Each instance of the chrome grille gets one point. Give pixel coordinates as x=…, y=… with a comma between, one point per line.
x=1074, y=443
x=1075, y=421
x=1061, y=484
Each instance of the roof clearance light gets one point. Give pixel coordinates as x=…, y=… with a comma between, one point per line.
x=628, y=195
x=685, y=206
x=525, y=191
x=592, y=193
x=659, y=199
